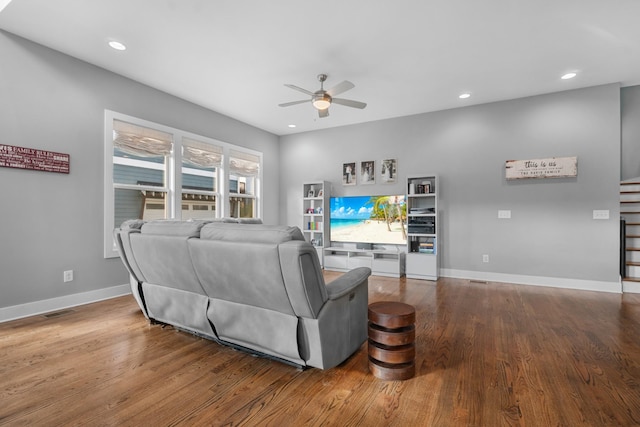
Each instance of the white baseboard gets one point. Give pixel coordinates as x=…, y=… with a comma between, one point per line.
x=551, y=282
x=73, y=300
x=59, y=303
x=630, y=287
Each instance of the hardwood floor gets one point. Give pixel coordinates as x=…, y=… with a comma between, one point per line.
x=486, y=355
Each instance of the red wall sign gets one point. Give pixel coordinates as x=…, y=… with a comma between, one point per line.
x=33, y=159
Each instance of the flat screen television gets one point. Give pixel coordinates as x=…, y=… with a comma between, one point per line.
x=368, y=219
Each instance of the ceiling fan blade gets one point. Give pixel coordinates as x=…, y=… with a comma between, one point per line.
x=340, y=87
x=349, y=103
x=299, y=89
x=287, y=104
x=323, y=113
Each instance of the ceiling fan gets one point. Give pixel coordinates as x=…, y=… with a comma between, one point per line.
x=322, y=99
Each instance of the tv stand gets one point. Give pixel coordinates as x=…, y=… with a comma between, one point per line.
x=382, y=262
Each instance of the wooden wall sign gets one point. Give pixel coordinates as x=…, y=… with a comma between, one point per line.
x=554, y=167
x=33, y=159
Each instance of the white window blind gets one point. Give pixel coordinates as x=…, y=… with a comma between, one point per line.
x=243, y=164
x=141, y=141
x=201, y=154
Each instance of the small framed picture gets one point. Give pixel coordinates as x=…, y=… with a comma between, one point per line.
x=311, y=193
x=349, y=173
x=368, y=172
x=320, y=193
x=388, y=170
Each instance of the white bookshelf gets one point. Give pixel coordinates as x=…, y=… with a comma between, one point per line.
x=422, y=259
x=315, y=215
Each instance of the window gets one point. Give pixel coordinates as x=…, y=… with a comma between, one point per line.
x=139, y=162
x=244, y=169
x=201, y=164
x=154, y=172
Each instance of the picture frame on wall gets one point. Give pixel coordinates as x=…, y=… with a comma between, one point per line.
x=349, y=173
x=388, y=171
x=368, y=172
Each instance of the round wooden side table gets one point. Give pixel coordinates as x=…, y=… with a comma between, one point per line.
x=392, y=334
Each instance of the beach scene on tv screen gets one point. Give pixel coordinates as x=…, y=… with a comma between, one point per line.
x=369, y=219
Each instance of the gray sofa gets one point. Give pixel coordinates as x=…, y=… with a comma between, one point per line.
x=252, y=286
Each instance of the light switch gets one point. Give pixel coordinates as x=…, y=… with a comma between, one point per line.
x=601, y=214
x=504, y=214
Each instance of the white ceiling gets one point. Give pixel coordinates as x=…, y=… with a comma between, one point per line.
x=404, y=57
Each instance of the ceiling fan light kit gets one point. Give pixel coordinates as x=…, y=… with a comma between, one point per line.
x=322, y=99
x=321, y=102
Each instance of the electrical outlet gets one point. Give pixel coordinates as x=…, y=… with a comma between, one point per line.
x=68, y=276
x=485, y=258
x=504, y=214
x=601, y=214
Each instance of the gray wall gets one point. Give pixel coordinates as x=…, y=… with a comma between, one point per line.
x=551, y=233
x=630, y=161
x=53, y=222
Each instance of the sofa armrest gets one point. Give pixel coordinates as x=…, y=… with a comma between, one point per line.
x=341, y=326
x=347, y=282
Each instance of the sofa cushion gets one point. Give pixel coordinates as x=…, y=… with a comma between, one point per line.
x=249, y=221
x=132, y=224
x=241, y=273
x=167, y=304
x=250, y=233
x=165, y=260
x=238, y=220
x=267, y=331
x=303, y=278
x=173, y=228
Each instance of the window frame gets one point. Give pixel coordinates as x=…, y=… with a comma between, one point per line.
x=173, y=176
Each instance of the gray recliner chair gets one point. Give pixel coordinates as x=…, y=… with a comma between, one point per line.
x=256, y=287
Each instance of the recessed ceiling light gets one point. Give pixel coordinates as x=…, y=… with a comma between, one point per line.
x=568, y=76
x=464, y=95
x=292, y=126
x=117, y=45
